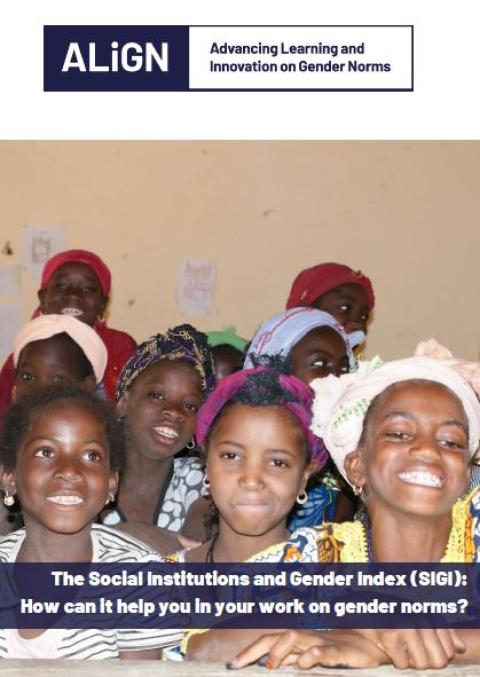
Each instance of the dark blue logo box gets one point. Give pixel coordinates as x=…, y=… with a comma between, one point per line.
x=58, y=39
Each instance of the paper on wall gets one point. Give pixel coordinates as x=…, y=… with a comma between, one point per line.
x=40, y=244
x=10, y=323
x=194, y=289
x=9, y=280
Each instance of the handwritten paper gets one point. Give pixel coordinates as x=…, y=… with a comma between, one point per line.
x=40, y=244
x=195, y=285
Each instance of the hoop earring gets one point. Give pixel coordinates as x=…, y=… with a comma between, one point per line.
x=8, y=499
x=357, y=490
x=192, y=444
x=302, y=498
x=206, y=485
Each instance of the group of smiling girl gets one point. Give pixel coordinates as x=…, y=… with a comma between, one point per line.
x=261, y=466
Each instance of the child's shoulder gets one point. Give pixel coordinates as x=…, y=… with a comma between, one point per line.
x=111, y=545
x=10, y=545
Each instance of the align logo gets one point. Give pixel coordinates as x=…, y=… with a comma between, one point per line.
x=132, y=57
x=115, y=58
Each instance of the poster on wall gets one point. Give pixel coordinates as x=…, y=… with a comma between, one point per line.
x=10, y=323
x=194, y=288
x=39, y=244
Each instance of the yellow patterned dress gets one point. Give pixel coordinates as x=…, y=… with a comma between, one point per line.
x=347, y=542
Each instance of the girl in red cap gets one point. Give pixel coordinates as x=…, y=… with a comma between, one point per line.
x=77, y=283
x=336, y=289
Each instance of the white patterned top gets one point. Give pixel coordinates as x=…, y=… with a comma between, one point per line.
x=80, y=643
x=184, y=488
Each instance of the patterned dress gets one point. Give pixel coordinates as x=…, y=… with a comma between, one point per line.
x=348, y=542
x=184, y=488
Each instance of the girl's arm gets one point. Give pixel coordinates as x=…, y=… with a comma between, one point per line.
x=194, y=525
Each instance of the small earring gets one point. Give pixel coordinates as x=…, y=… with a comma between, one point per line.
x=302, y=498
x=192, y=444
x=8, y=499
x=357, y=490
x=110, y=498
x=206, y=485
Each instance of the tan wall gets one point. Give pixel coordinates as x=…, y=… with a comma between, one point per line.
x=405, y=213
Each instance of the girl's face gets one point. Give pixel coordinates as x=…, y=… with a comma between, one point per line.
x=62, y=475
x=74, y=289
x=319, y=353
x=48, y=362
x=161, y=408
x=415, y=456
x=348, y=304
x=256, y=467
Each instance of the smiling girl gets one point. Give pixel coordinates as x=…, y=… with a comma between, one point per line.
x=61, y=452
x=77, y=283
x=159, y=393
x=403, y=434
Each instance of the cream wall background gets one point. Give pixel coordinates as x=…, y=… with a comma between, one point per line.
x=405, y=213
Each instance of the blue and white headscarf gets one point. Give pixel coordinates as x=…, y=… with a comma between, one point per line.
x=281, y=333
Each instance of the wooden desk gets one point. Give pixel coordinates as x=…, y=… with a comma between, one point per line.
x=17, y=668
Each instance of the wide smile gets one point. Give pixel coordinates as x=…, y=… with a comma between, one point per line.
x=422, y=478
x=166, y=433
x=68, y=500
x=71, y=311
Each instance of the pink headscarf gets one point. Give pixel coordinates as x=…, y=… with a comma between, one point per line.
x=300, y=407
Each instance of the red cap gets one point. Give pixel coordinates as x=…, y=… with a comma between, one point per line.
x=314, y=282
x=78, y=256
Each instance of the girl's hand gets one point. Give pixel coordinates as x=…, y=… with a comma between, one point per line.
x=418, y=649
x=308, y=648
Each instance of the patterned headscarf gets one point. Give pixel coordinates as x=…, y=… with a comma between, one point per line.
x=183, y=342
x=293, y=395
x=281, y=333
x=341, y=403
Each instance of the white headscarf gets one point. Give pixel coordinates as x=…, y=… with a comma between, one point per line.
x=341, y=402
x=46, y=326
x=282, y=332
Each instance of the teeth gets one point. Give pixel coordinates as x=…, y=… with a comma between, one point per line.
x=166, y=432
x=73, y=312
x=424, y=479
x=65, y=500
